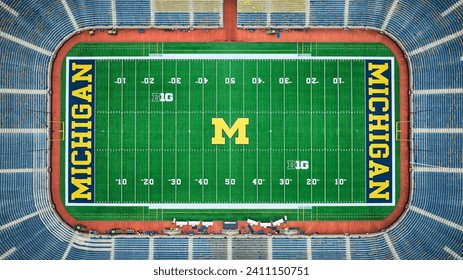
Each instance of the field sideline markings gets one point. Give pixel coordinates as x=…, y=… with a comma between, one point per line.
x=122, y=130
x=216, y=146
x=324, y=127
x=298, y=130
x=257, y=130
x=135, y=136
x=271, y=135
x=189, y=131
x=339, y=132
x=162, y=133
x=149, y=125
x=243, y=57
x=227, y=206
x=311, y=130
x=108, y=137
x=202, y=145
x=176, y=132
x=284, y=131
x=352, y=134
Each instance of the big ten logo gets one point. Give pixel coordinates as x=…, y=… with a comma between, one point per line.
x=162, y=97
x=297, y=164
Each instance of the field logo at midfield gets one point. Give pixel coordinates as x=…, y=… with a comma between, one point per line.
x=220, y=126
x=378, y=139
x=80, y=125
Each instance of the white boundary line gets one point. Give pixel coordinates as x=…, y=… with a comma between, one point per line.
x=202, y=57
x=241, y=57
x=230, y=205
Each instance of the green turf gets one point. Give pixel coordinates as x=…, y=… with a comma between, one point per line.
x=149, y=152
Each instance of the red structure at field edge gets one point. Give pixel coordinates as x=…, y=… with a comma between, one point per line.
x=231, y=34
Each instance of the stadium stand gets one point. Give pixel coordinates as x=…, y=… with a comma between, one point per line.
x=289, y=248
x=210, y=248
x=188, y=14
x=429, y=32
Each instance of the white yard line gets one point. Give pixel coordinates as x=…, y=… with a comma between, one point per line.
x=311, y=132
x=271, y=134
x=189, y=131
x=284, y=132
x=162, y=133
x=216, y=146
x=135, y=137
x=229, y=142
x=351, y=134
x=244, y=172
x=202, y=161
x=324, y=128
x=108, y=154
x=176, y=132
x=257, y=129
x=297, y=128
x=339, y=132
x=149, y=126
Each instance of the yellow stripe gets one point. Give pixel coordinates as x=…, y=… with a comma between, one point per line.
x=298, y=6
x=249, y=6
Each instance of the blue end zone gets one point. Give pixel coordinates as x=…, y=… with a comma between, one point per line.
x=80, y=175
x=379, y=119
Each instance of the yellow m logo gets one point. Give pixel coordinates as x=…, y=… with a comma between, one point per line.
x=220, y=127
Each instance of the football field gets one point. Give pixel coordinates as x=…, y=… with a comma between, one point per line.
x=228, y=131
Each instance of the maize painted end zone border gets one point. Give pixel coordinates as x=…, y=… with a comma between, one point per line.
x=230, y=131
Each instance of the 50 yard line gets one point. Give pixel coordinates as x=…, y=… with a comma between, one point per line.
x=229, y=142
x=216, y=147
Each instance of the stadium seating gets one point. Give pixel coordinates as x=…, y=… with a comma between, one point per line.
x=429, y=31
x=131, y=248
x=171, y=248
x=369, y=248
x=333, y=248
x=289, y=248
x=210, y=248
x=250, y=248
